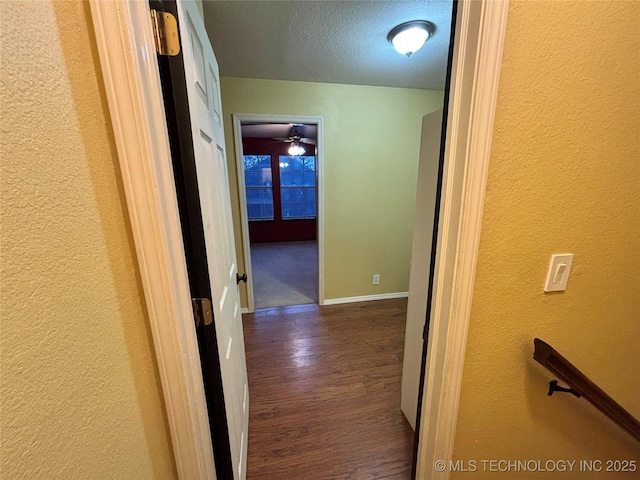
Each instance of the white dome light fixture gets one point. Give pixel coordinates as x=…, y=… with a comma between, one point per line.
x=407, y=38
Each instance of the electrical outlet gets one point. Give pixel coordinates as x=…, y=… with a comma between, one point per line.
x=376, y=279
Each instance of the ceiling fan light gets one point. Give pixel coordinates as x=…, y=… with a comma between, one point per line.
x=296, y=149
x=409, y=37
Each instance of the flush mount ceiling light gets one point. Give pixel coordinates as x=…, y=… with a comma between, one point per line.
x=407, y=38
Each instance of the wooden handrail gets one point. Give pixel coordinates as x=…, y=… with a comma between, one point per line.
x=582, y=386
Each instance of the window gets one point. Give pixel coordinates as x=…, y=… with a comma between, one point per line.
x=298, y=187
x=258, y=183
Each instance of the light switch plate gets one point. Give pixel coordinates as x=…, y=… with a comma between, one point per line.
x=558, y=273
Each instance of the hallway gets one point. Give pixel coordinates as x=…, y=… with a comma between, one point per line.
x=324, y=385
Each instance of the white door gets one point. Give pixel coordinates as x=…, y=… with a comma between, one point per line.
x=203, y=91
x=420, y=260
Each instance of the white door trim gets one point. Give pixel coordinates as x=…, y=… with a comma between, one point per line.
x=480, y=32
x=238, y=120
x=132, y=83
x=129, y=66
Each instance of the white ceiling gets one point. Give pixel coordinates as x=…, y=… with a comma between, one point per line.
x=332, y=41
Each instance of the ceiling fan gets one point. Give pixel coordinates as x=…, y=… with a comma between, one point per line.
x=295, y=139
x=296, y=136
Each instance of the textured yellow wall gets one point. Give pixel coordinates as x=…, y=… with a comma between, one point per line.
x=564, y=177
x=80, y=390
x=372, y=144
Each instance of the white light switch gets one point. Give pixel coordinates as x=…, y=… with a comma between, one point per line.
x=558, y=274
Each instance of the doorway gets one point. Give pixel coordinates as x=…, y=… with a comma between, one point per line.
x=279, y=165
x=375, y=149
x=156, y=225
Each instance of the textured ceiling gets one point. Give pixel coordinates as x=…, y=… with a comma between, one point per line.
x=327, y=41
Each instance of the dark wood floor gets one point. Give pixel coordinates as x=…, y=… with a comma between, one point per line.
x=324, y=387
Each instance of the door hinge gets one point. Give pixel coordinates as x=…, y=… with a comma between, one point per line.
x=202, y=311
x=425, y=333
x=165, y=33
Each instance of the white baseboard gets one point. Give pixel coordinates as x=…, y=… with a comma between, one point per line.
x=365, y=298
x=244, y=310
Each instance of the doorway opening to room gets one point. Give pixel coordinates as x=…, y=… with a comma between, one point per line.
x=146, y=158
x=278, y=161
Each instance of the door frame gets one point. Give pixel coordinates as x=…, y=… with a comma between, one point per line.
x=238, y=120
x=126, y=48
x=130, y=72
x=480, y=29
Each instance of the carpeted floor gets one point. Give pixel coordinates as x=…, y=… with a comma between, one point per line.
x=284, y=273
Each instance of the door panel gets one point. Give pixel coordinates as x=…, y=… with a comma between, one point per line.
x=420, y=260
x=202, y=81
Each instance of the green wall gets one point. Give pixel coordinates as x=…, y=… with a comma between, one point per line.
x=371, y=145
